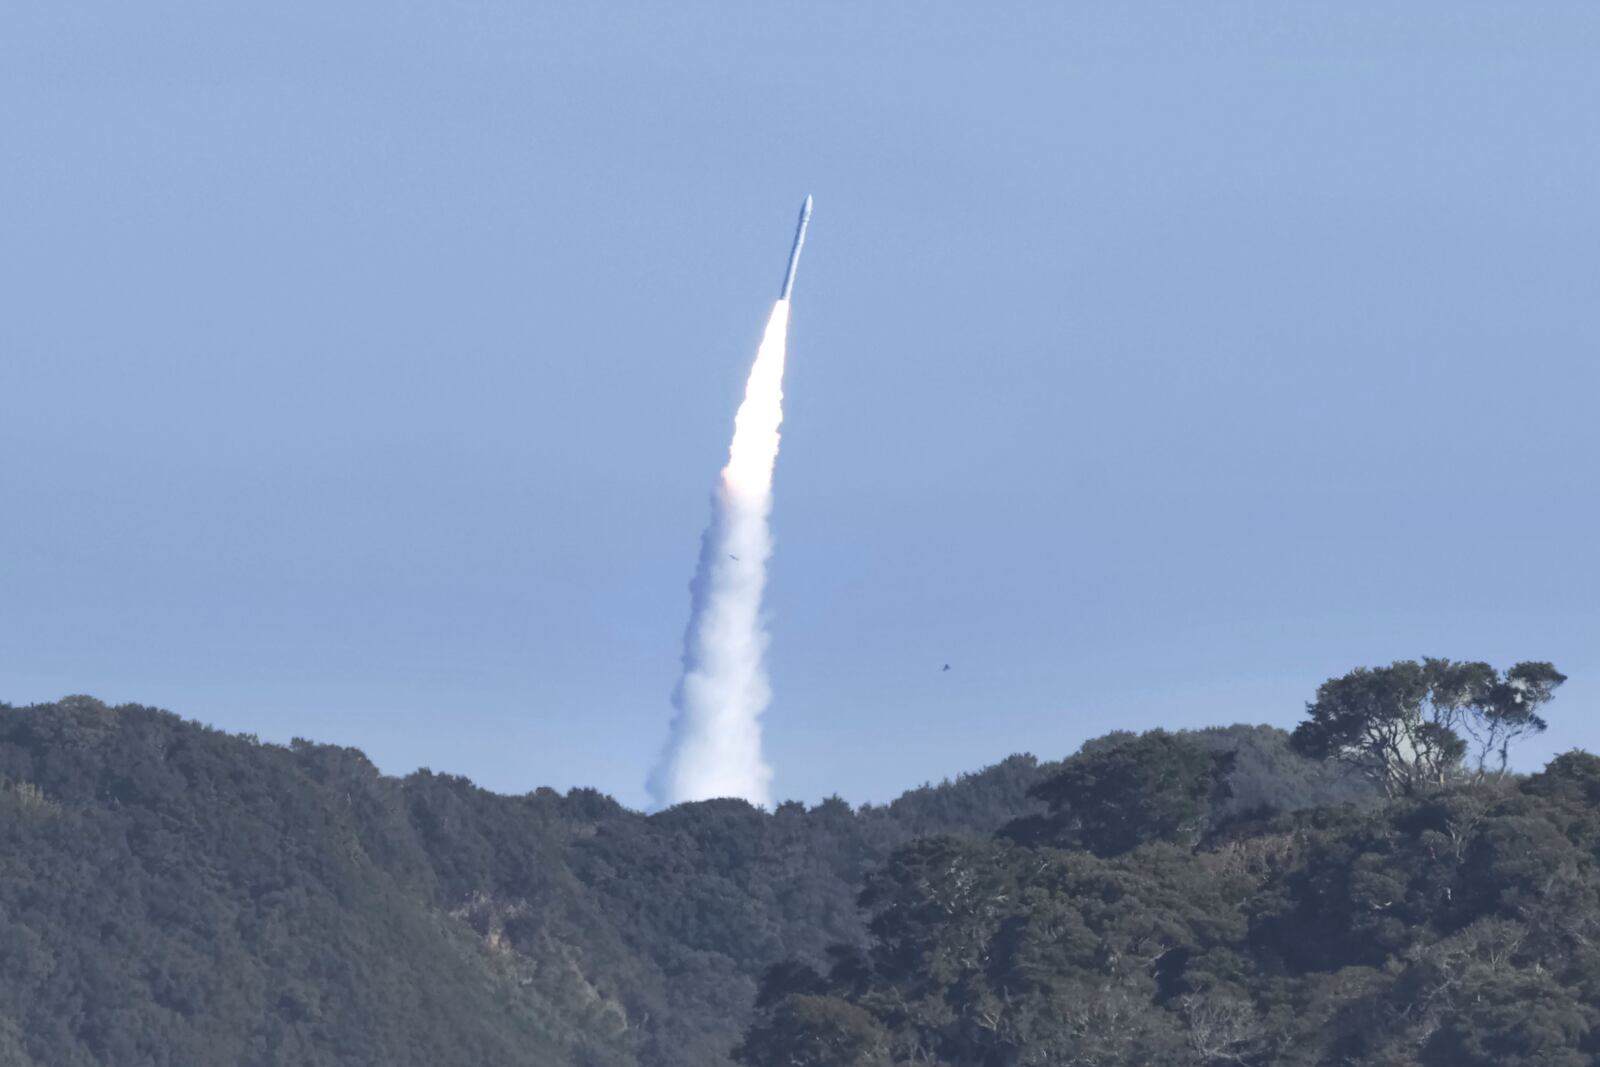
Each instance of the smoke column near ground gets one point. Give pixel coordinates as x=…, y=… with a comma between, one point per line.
x=714, y=749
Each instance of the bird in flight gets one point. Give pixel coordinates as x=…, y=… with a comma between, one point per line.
x=946, y=667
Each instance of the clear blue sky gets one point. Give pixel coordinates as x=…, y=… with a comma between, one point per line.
x=364, y=368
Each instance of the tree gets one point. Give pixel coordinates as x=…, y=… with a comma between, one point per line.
x=1509, y=712
x=804, y=1030
x=1410, y=726
x=1158, y=786
x=1502, y=1017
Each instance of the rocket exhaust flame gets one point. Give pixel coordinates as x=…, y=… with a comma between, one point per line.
x=714, y=749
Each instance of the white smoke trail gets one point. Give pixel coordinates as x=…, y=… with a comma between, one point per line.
x=714, y=749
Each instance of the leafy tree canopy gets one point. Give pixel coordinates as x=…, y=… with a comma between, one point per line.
x=1154, y=787
x=1411, y=725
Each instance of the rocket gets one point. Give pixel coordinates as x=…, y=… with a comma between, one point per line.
x=794, y=253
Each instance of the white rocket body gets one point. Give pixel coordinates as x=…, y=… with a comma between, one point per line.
x=794, y=254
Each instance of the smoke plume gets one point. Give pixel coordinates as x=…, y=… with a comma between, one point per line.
x=714, y=749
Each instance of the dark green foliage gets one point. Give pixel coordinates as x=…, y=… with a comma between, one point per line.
x=816, y=1031
x=173, y=895
x=1410, y=725
x=977, y=803
x=1268, y=775
x=1156, y=787
x=170, y=895
x=1457, y=927
x=1264, y=776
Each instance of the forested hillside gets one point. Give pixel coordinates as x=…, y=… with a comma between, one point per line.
x=170, y=894
x=1457, y=930
x=1456, y=924
x=173, y=895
